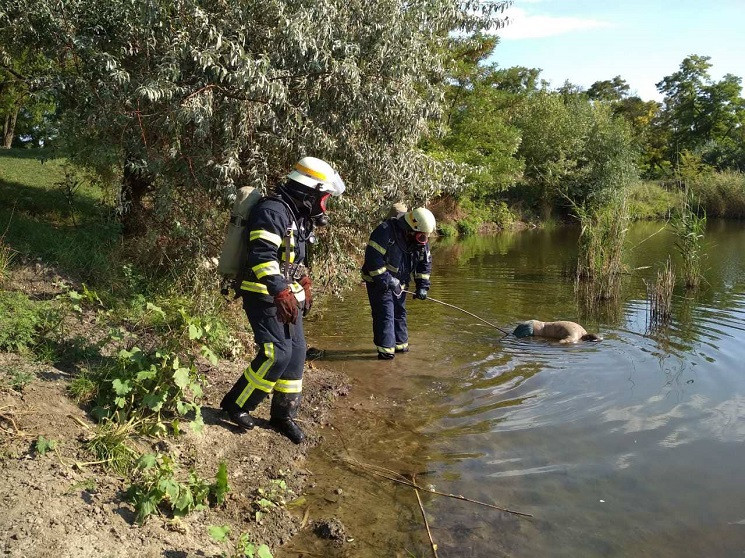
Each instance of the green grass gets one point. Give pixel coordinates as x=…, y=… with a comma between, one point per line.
x=38, y=219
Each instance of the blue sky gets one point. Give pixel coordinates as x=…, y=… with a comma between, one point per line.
x=642, y=41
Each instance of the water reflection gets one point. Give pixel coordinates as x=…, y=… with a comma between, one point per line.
x=632, y=446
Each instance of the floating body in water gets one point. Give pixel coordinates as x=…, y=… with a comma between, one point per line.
x=564, y=331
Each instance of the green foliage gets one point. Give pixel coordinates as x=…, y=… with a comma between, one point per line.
x=575, y=152
x=243, y=547
x=38, y=221
x=149, y=387
x=270, y=497
x=6, y=259
x=16, y=379
x=651, y=200
x=601, y=247
x=111, y=444
x=23, y=322
x=43, y=445
x=689, y=225
x=704, y=116
x=720, y=194
x=447, y=230
x=157, y=486
x=144, y=87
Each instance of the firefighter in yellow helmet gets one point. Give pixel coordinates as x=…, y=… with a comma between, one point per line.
x=398, y=247
x=276, y=292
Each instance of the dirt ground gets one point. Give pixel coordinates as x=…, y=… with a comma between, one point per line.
x=59, y=505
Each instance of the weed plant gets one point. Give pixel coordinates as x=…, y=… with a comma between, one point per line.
x=157, y=487
x=243, y=547
x=660, y=297
x=111, y=444
x=24, y=322
x=601, y=247
x=690, y=227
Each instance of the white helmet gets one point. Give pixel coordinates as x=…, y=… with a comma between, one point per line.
x=421, y=220
x=317, y=174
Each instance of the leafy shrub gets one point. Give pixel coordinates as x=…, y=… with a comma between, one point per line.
x=24, y=322
x=158, y=487
x=447, y=230
x=147, y=388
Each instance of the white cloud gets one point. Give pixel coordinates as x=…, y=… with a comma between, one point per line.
x=523, y=25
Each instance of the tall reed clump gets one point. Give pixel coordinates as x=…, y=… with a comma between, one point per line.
x=689, y=225
x=660, y=297
x=601, y=247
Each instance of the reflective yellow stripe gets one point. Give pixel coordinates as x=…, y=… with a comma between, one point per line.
x=266, y=268
x=311, y=172
x=389, y=267
x=378, y=271
x=390, y=350
x=421, y=276
x=366, y=277
x=266, y=235
x=402, y=346
x=298, y=290
x=289, y=386
x=254, y=287
x=377, y=246
x=256, y=379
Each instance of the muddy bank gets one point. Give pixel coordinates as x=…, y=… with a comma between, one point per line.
x=60, y=503
x=55, y=505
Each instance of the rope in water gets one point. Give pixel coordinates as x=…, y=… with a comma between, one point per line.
x=464, y=311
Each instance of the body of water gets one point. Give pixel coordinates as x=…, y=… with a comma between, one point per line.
x=628, y=447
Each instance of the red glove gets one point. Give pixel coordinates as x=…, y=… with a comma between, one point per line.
x=286, y=304
x=306, y=283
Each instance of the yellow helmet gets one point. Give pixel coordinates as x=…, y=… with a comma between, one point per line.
x=421, y=220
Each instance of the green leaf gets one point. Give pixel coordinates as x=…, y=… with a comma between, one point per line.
x=218, y=533
x=147, y=374
x=197, y=425
x=182, y=407
x=146, y=461
x=43, y=445
x=264, y=552
x=171, y=488
x=185, y=500
x=195, y=332
x=209, y=355
x=121, y=388
x=157, y=309
x=120, y=402
x=154, y=401
x=181, y=377
x=221, y=487
x=196, y=389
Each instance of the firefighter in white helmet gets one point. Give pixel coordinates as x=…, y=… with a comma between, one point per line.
x=398, y=247
x=276, y=292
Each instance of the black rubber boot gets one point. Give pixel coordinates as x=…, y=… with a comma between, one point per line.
x=386, y=356
x=283, y=412
x=236, y=414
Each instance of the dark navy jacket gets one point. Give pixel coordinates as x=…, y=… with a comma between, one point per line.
x=273, y=245
x=389, y=253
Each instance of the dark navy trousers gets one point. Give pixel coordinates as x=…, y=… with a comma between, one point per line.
x=389, y=319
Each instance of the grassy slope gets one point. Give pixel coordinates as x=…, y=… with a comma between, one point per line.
x=37, y=218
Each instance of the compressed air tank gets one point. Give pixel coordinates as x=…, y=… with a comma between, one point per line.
x=234, y=244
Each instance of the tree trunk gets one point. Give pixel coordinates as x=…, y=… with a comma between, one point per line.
x=9, y=126
x=135, y=185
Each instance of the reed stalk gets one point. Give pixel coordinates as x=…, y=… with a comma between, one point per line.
x=689, y=226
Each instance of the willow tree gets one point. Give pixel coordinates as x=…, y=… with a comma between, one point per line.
x=188, y=99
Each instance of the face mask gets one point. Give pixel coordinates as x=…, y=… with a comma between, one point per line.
x=419, y=238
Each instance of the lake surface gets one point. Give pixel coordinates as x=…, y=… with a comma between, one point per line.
x=628, y=447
